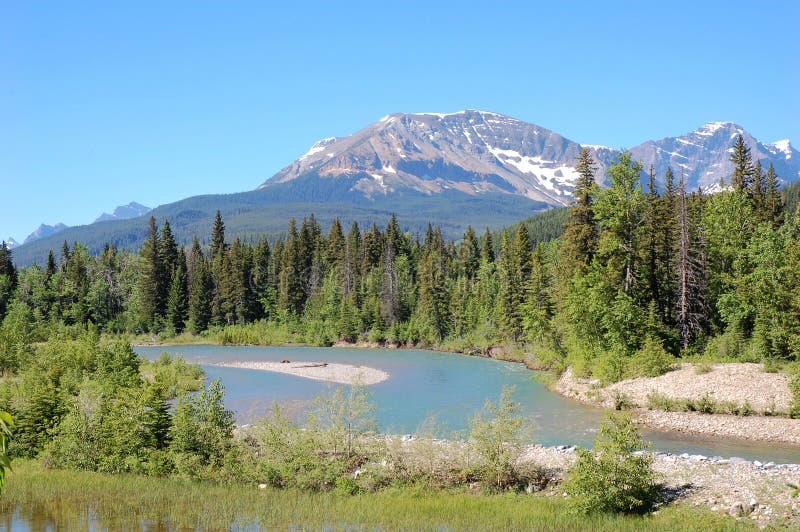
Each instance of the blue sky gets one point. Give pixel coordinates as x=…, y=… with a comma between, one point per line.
x=102, y=103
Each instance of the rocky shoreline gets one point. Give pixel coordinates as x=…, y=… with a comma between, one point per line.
x=745, y=489
x=725, y=382
x=739, y=487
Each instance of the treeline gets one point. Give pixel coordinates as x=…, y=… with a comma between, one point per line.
x=638, y=277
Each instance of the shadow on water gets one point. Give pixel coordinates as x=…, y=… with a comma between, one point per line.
x=448, y=387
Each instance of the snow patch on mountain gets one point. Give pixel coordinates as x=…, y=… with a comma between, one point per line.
x=782, y=146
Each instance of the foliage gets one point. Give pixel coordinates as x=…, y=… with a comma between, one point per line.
x=614, y=476
x=496, y=434
x=6, y=427
x=651, y=360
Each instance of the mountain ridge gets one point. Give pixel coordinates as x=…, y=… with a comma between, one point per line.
x=471, y=167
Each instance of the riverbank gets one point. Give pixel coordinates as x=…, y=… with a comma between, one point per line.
x=322, y=371
x=734, y=386
x=749, y=489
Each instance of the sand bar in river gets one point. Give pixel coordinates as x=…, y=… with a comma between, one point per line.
x=321, y=371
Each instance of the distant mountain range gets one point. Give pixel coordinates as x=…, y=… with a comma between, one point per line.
x=43, y=231
x=124, y=212
x=467, y=168
x=121, y=212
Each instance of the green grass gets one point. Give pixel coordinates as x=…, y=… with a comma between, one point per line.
x=67, y=499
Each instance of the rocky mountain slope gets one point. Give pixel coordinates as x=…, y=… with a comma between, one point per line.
x=124, y=212
x=467, y=168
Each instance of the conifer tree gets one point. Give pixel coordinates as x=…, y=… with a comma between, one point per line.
x=8, y=278
x=178, y=296
x=487, y=248
x=537, y=307
x=469, y=253
x=51, y=267
x=580, y=236
x=515, y=267
x=150, y=278
x=667, y=247
x=201, y=290
x=757, y=192
x=773, y=201
x=335, y=252
x=217, y=237
x=168, y=257
x=292, y=283
x=262, y=287
x=742, y=179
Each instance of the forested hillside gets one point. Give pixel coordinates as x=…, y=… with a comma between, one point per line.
x=637, y=274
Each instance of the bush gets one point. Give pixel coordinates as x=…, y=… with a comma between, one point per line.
x=794, y=387
x=701, y=368
x=614, y=477
x=610, y=367
x=496, y=436
x=659, y=401
x=651, y=360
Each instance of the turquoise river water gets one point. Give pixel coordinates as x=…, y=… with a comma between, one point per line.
x=447, y=387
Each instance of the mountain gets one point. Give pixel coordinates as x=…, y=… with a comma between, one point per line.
x=467, y=168
x=473, y=152
x=124, y=212
x=43, y=231
x=11, y=243
x=703, y=155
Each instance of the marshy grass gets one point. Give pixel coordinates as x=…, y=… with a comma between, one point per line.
x=37, y=497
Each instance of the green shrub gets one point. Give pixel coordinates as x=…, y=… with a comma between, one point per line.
x=659, y=401
x=496, y=436
x=794, y=387
x=610, y=367
x=622, y=401
x=701, y=368
x=347, y=485
x=613, y=477
x=706, y=404
x=651, y=360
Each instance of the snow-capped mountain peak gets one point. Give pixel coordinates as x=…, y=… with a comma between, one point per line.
x=782, y=146
x=479, y=152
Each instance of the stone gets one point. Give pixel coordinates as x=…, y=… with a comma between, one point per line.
x=736, y=509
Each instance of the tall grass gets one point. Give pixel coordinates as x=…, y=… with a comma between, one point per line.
x=78, y=500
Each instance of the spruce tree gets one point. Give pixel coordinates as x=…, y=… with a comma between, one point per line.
x=178, y=296
x=168, y=256
x=150, y=278
x=773, y=201
x=217, y=237
x=757, y=192
x=201, y=289
x=8, y=278
x=515, y=267
x=742, y=179
x=262, y=288
x=487, y=247
x=580, y=236
x=469, y=253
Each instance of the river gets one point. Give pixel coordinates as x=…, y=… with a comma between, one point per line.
x=428, y=385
